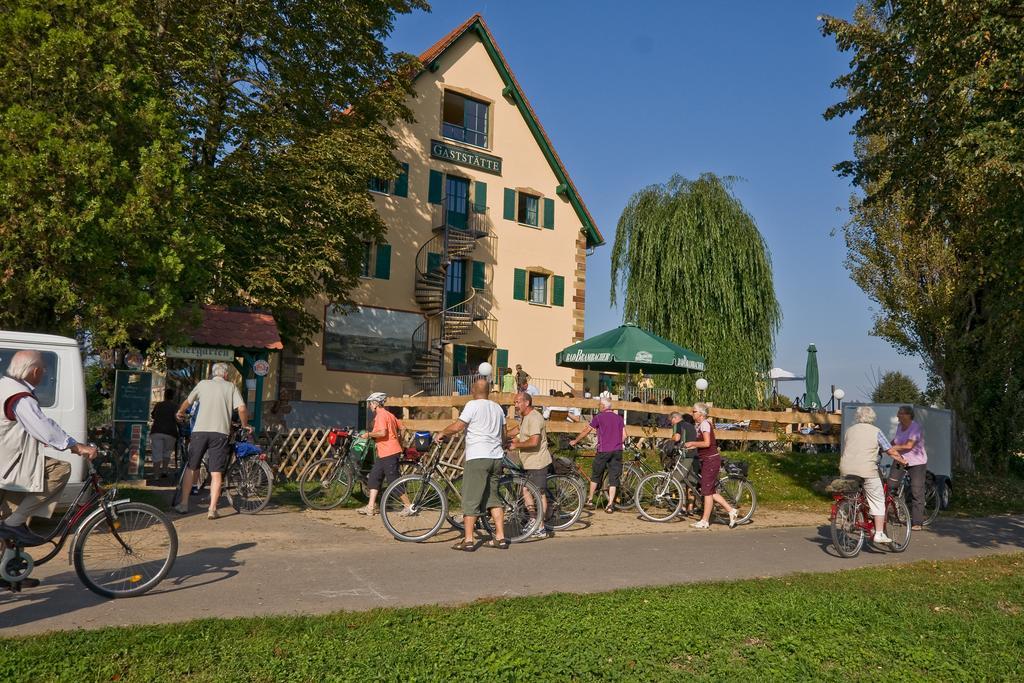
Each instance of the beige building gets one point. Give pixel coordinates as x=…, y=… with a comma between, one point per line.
x=486, y=249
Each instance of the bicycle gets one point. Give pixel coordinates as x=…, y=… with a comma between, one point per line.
x=119, y=548
x=429, y=491
x=248, y=479
x=568, y=465
x=563, y=494
x=660, y=496
x=851, y=518
x=327, y=483
x=932, y=504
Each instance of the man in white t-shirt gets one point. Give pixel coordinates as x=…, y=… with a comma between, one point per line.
x=483, y=421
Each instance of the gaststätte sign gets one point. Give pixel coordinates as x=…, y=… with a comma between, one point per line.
x=465, y=157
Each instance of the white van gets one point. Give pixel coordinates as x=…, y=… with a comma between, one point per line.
x=62, y=393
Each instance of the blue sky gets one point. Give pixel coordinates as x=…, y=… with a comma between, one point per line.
x=632, y=93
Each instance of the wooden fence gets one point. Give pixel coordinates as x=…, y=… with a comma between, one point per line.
x=292, y=449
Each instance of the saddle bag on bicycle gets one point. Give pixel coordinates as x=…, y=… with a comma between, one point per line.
x=736, y=468
x=421, y=441
x=563, y=465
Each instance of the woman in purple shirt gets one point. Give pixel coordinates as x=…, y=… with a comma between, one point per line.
x=909, y=441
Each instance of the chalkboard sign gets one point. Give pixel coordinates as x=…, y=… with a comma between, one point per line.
x=132, y=393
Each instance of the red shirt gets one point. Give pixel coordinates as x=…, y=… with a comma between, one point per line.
x=706, y=427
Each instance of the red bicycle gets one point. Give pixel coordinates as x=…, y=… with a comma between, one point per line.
x=852, y=520
x=119, y=548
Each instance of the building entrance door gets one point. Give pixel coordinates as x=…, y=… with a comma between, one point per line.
x=455, y=283
x=457, y=202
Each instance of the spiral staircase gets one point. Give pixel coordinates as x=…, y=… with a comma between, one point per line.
x=446, y=321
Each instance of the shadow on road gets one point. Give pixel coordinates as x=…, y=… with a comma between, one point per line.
x=63, y=593
x=983, y=532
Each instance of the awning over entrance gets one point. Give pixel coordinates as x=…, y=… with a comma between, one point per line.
x=237, y=329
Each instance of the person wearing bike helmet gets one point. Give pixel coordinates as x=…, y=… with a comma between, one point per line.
x=387, y=436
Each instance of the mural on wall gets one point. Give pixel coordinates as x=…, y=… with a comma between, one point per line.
x=370, y=340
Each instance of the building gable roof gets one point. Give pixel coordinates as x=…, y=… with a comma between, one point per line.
x=512, y=90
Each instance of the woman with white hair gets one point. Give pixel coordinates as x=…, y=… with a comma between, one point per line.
x=710, y=465
x=861, y=444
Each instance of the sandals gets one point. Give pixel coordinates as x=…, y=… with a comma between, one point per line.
x=465, y=546
x=503, y=544
x=610, y=509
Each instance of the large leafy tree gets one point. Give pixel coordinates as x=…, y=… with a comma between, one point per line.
x=937, y=89
x=159, y=154
x=285, y=111
x=92, y=177
x=695, y=270
x=895, y=387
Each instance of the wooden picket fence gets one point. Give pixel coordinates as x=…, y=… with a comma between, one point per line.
x=292, y=449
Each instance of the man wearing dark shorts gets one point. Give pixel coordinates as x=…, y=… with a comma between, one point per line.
x=530, y=439
x=611, y=432
x=217, y=398
x=386, y=434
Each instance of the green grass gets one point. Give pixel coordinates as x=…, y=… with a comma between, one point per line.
x=987, y=494
x=287, y=493
x=958, y=620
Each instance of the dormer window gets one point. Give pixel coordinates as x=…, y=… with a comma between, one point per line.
x=464, y=119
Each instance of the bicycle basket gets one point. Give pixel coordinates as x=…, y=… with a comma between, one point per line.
x=736, y=468
x=843, y=485
x=563, y=465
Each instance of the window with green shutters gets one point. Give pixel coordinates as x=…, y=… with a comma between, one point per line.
x=549, y=213
x=509, y=213
x=528, y=208
x=435, y=189
x=519, y=285
x=501, y=359
x=479, y=275
x=433, y=262
x=402, y=182
x=383, y=268
x=459, y=360
x=480, y=197
x=558, y=291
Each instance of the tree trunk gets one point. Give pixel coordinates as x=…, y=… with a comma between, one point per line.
x=956, y=399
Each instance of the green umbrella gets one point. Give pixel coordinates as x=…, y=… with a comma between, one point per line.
x=628, y=349
x=811, y=399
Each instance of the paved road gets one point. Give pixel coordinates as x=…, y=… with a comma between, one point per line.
x=286, y=561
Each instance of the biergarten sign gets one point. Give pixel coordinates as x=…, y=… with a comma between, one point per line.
x=200, y=353
x=465, y=157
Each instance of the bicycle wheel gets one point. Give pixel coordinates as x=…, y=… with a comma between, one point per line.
x=249, y=483
x=897, y=524
x=625, y=495
x=659, y=497
x=454, y=495
x=565, y=501
x=127, y=557
x=932, y=503
x=741, y=495
x=326, y=483
x=519, y=500
x=847, y=536
x=429, y=505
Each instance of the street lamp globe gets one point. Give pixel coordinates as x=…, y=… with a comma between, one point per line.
x=839, y=394
x=701, y=384
x=485, y=369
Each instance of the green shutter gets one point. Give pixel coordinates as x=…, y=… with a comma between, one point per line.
x=549, y=213
x=458, y=358
x=510, y=204
x=480, y=197
x=558, y=291
x=436, y=183
x=479, y=275
x=501, y=359
x=402, y=182
x=383, y=268
x=519, y=285
x=433, y=262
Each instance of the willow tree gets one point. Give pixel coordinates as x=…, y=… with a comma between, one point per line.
x=695, y=269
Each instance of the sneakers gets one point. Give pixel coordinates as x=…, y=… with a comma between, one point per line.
x=213, y=514
x=367, y=510
x=180, y=509
x=541, y=533
x=701, y=525
x=733, y=515
x=880, y=537
x=407, y=511
x=21, y=534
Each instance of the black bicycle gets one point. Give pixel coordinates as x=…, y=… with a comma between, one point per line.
x=248, y=479
x=900, y=476
x=119, y=548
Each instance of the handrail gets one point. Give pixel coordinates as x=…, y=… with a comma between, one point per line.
x=418, y=339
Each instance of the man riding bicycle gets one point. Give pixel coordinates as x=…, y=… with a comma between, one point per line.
x=861, y=444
